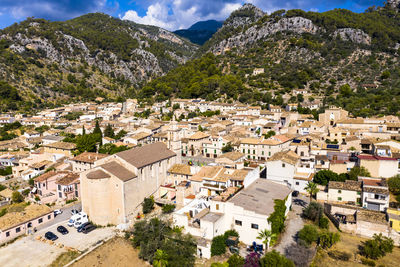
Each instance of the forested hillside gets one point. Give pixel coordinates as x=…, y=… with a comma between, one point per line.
x=83, y=58
x=336, y=57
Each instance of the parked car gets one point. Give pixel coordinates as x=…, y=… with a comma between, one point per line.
x=61, y=229
x=79, y=229
x=50, y=236
x=295, y=193
x=74, y=211
x=57, y=212
x=88, y=228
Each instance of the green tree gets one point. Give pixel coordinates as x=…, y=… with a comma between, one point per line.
x=308, y=234
x=109, y=131
x=266, y=236
x=323, y=177
x=327, y=239
x=377, y=247
x=218, y=246
x=227, y=148
x=87, y=142
x=274, y=259
x=312, y=189
x=97, y=129
x=313, y=211
x=16, y=197
x=148, y=205
x=394, y=184
x=357, y=171
x=235, y=261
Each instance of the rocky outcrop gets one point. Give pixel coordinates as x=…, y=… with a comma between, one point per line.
x=253, y=34
x=353, y=35
x=245, y=15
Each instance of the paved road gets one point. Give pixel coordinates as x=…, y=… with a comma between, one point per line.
x=294, y=223
x=62, y=217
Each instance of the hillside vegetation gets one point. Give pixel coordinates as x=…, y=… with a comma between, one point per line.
x=339, y=57
x=83, y=58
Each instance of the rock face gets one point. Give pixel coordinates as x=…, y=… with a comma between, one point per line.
x=64, y=49
x=253, y=34
x=247, y=14
x=393, y=3
x=353, y=35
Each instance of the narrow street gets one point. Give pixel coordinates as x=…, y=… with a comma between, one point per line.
x=294, y=223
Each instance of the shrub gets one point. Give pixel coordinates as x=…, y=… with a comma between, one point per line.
x=328, y=239
x=313, y=211
x=339, y=255
x=219, y=264
x=277, y=218
x=308, y=234
x=323, y=222
x=274, y=258
x=218, y=246
x=377, y=247
x=148, y=205
x=300, y=255
x=229, y=233
x=235, y=261
x=168, y=208
x=3, y=212
x=16, y=197
x=367, y=262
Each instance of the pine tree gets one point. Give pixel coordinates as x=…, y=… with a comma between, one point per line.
x=109, y=131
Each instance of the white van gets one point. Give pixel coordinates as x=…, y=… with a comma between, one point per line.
x=81, y=220
x=81, y=216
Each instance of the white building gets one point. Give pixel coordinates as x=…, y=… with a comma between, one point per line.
x=247, y=212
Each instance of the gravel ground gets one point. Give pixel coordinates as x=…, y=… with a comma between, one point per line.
x=294, y=223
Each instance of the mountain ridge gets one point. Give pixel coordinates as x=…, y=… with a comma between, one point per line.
x=200, y=32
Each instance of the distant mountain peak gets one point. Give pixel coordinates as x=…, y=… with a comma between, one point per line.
x=201, y=31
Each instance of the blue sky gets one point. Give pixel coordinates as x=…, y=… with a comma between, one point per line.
x=169, y=14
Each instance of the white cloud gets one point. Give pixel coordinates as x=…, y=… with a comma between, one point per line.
x=181, y=14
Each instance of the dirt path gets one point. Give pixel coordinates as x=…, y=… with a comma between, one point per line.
x=117, y=252
x=294, y=223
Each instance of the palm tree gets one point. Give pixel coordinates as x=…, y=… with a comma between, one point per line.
x=312, y=189
x=266, y=236
x=160, y=259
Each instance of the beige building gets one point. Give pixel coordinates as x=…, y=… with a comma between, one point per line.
x=332, y=115
x=114, y=189
x=63, y=148
x=379, y=166
x=85, y=161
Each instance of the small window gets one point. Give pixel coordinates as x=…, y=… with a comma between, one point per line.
x=283, y=165
x=8, y=234
x=297, y=183
x=339, y=198
x=254, y=226
x=358, y=193
x=40, y=220
x=237, y=222
x=217, y=206
x=17, y=230
x=48, y=217
x=59, y=187
x=339, y=191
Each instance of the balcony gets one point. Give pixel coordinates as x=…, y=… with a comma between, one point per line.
x=377, y=201
x=214, y=186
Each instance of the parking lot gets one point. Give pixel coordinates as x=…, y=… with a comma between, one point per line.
x=29, y=251
x=77, y=240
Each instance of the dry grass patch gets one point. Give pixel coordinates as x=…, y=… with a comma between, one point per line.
x=64, y=258
x=117, y=252
x=350, y=244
